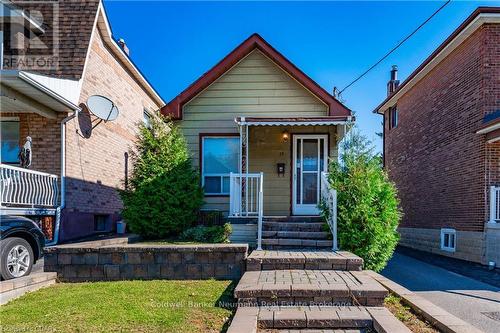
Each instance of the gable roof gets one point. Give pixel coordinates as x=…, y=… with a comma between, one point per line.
x=474, y=21
x=255, y=41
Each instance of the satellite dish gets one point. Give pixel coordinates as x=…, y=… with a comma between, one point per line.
x=102, y=107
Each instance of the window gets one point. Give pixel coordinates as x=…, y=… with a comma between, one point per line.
x=146, y=118
x=393, y=117
x=219, y=157
x=10, y=141
x=448, y=240
x=100, y=222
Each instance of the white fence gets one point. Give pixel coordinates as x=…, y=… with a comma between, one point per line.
x=329, y=198
x=246, y=198
x=27, y=188
x=494, y=204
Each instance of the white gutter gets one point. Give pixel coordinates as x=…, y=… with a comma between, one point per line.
x=55, y=239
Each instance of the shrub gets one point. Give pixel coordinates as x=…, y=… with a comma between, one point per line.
x=368, y=212
x=163, y=195
x=203, y=234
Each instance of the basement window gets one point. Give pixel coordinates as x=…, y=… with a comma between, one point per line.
x=448, y=240
x=100, y=222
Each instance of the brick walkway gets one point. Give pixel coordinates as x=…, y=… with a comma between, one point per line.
x=269, y=260
x=310, y=291
x=288, y=287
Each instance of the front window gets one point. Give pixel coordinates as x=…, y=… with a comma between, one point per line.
x=10, y=142
x=219, y=157
x=146, y=118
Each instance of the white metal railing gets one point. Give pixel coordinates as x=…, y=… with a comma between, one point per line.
x=28, y=188
x=329, y=198
x=246, y=198
x=494, y=204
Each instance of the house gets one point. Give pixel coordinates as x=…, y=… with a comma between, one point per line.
x=442, y=144
x=57, y=54
x=260, y=129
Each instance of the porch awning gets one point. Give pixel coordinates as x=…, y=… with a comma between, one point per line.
x=27, y=92
x=294, y=121
x=491, y=127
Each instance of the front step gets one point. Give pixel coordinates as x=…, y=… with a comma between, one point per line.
x=299, y=219
x=351, y=319
x=296, y=234
x=270, y=260
x=309, y=287
x=292, y=226
x=296, y=243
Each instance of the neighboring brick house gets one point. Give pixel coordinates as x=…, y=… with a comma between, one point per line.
x=36, y=100
x=441, y=144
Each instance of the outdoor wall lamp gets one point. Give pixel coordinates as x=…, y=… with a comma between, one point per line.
x=285, y=136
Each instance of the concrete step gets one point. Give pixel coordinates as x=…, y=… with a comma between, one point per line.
x=308, y=319
x=295, y=243
x=14, y=288
x=296, y=234
x=323, y=260
x=300, y=219
x=309, y=287
x=292, y=226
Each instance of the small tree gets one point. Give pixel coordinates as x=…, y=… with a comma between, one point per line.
x=368, y=212
x=163, y=194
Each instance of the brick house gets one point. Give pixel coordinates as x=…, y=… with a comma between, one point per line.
x=442, y=144
x=71, y=184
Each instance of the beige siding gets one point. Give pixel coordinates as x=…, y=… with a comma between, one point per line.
x=254, y=87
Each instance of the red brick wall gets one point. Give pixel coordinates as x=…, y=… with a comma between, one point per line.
x=434, y=156
x=95, y=165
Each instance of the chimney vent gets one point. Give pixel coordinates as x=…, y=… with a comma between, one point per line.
x=393, y=83
x=123, y=46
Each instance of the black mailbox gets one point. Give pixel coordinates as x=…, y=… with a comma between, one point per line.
x=281, y=169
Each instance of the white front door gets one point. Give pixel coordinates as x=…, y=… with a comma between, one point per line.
x=310, y=154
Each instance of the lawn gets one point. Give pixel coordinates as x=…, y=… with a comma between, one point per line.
x=124, y=306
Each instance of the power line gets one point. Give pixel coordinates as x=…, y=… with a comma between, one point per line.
x=396, y=47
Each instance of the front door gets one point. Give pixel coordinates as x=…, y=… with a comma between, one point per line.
x=309, y=160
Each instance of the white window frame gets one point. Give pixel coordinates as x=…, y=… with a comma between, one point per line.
x=450, y=232
x=221, y=175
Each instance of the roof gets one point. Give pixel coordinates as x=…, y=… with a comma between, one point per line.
x=255, y=41
x=76, y=20
x=474, y=21
x=293, y=121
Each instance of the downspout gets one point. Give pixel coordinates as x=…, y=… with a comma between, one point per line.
x=55, y=239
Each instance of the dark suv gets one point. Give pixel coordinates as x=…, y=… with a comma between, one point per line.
x=21, y=245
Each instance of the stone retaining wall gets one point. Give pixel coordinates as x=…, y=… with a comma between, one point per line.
x=146, y=262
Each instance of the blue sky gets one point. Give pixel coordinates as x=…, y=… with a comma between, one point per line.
x=173, y=43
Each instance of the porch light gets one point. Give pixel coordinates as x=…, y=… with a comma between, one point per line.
x=285, y=136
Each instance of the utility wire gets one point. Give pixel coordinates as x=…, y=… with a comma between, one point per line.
x=396, y=47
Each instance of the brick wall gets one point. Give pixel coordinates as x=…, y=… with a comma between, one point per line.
x=434, y=156
x=131, y=262
x=95, y=164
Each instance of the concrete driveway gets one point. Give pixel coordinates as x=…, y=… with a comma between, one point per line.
x=473, y=301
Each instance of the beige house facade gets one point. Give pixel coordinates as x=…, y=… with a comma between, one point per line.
x=255, y=117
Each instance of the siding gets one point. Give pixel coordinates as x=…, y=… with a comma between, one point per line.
x=254, y=87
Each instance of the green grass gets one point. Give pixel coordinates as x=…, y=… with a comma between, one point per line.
x=124, y=306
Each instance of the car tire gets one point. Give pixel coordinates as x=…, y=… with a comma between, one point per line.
x=16, y=258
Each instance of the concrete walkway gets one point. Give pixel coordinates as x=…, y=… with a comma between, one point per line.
x=475, y=302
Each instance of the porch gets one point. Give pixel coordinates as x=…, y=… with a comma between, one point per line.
x=282, y=180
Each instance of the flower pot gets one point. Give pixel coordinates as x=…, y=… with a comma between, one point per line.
x=121, y=227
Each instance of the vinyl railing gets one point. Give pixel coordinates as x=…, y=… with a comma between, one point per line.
x=27, y=188
x=246, y=198
x=329, y=198
x=494, y=204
